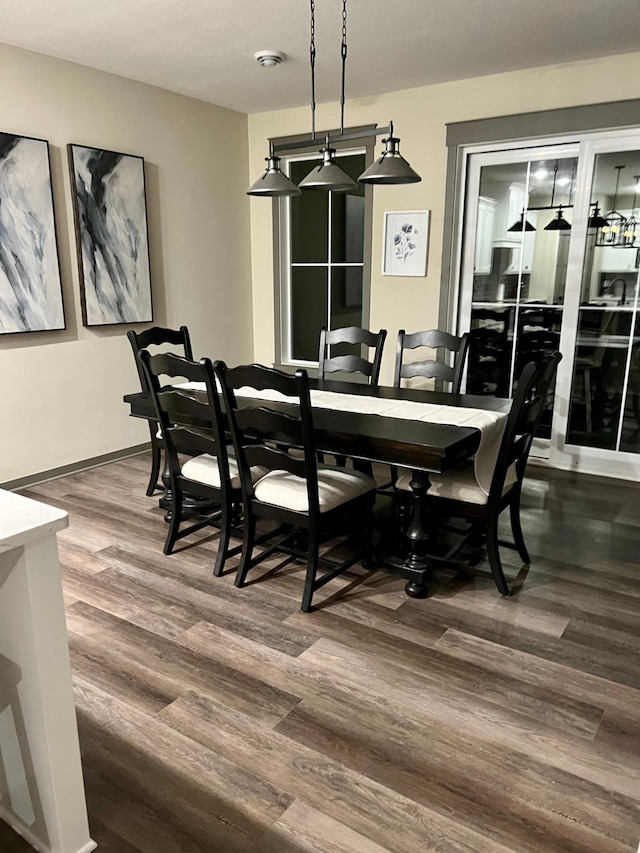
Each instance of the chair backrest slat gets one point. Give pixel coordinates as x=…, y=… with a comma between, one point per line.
x=434, y=339
x=158, y=336
x=352, y=335
x=270, y=425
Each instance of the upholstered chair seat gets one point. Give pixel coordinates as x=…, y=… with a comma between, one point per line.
x=458, y=484
x=335, y=486
x=205, y=469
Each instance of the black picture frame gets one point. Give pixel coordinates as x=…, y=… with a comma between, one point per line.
x=112, y=236
x=30, y=282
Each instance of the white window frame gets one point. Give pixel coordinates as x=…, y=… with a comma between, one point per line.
x=285, y=264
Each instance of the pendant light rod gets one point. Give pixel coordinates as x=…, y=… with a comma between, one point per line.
x=312, y=62
x=555, y=175
x=573, y=177
x=343, y=54
x=615, y=193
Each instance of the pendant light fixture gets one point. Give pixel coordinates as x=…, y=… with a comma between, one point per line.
x=328, y=175
x=631, y=231
x=596, y=220
x=274, y=182
x=611, y=234
x=521, y=224
x=390, y=168
x=559, y=223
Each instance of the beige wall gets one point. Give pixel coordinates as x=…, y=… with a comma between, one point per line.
x=62, y=391
x=420, y=116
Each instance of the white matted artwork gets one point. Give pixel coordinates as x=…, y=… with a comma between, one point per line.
x=405, y=243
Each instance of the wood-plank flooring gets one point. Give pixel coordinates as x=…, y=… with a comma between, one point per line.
x=222, y=720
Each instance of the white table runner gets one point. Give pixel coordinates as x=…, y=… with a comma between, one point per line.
x=491, y=425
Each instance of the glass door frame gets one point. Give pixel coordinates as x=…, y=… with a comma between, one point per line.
x=596, y=460
x=585, y=146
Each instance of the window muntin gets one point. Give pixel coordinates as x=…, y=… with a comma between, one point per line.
x=323, y=261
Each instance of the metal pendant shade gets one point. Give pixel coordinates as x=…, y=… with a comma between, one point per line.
x=391, y=167
x=521, y=224
x=596, y=220
x=328, y=175
x=274, y=182
x=559, y=223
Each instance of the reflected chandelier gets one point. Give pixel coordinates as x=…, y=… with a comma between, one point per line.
x=618, y=231
x=390, y=168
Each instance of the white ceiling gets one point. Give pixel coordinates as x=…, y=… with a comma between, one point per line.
x=204, y=48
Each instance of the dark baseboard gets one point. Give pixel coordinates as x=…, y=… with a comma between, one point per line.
x=83, y=465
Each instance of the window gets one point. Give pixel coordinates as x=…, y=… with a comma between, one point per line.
x=324, y=252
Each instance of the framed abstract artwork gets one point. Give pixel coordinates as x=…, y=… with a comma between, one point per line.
x=112, y=237
x=30, y=287
x=405, y=242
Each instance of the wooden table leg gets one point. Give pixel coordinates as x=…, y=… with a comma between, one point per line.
x=416, y=567
x=417, y=563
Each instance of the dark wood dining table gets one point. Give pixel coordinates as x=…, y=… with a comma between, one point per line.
x=422, y=447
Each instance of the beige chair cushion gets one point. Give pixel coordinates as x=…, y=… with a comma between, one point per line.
x=159, y=433
x=458, y=484
x=335, y=486
x=204, y=469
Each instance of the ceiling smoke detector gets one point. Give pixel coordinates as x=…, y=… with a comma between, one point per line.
x=267, y=58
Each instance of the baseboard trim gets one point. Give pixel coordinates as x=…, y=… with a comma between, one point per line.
x=82, y=465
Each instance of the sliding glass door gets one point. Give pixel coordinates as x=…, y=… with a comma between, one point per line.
x=515, y=270
x=604, y=396
x=549, y=260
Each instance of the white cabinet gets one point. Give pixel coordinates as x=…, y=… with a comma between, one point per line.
x=511, y=200
x=484, y=235
x=42, y=788
x=524, y=249
x=516, y=203
x=617, y=260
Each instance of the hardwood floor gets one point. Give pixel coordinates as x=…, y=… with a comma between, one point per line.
x=223, y=720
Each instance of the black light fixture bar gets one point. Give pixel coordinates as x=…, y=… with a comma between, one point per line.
x=550, y=207
x=311, y=141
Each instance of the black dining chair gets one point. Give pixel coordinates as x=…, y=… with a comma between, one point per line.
x=299, y=494
x=346, y=338
x=157, y=336
x=447, y=346
x=457, y=494
x=351, y=336
x=192, y=424
x=489, y=358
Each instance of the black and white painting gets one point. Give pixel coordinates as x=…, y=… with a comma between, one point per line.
x=30, y=290
x=111, y=230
